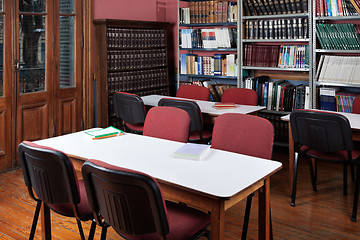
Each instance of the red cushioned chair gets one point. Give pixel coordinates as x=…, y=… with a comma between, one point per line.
x=322, y=136
x=193, y=91
x=242, y=96
x=131, y=109
x=356, y=105
x=197, y=132
x=167, y=123
x=50, y=178
x=132, y=204
x=244, y=134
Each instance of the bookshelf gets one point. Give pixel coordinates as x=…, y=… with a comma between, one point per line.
x=131, y=56
x=208, y=40
x=336, y=55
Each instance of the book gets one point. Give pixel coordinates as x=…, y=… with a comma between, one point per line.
x=192, y=151
x=104, y=133
x=224, y=105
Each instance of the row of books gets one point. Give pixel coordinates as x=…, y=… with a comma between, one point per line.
x=284, y=56
x=126, y=37
x=208, y=38
x=338, y=36
x=328, y=8
x=280, y=95
x=271, y=7
x=339, y=69
x=134, y=59
x=219, y=65
x=128, y=81
x=295, y=28
x=209, y=12
x=333, y=99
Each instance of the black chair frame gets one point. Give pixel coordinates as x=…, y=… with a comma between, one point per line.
x=50, y=179
x=324, y=132
x=129, y=108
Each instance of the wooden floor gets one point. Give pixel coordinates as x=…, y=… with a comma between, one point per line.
x=321, y=215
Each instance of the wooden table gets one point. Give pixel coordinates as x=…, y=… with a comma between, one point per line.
x=206, y=107
x=215, y=183
x=354, y=120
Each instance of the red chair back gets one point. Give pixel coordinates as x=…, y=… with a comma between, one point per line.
x=242, y=96
x=193, y=91
x=244, y=134
x=169, y=123
x=356, y=105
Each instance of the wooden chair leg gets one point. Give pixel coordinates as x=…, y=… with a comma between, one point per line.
x=293, y=194
x=35, y=220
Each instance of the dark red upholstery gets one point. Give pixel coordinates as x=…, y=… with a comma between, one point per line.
x=167, y=123
x=131, y=109
x=197, y=131
x=51, y=179
x=154, y=219
x=356, y=105
x=244, y=134
x=193, y=91
x=239, y=96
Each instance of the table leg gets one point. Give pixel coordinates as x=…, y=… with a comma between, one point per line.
x=45, y=222
x=264, y=210
x=291, y=158
x=218, y=221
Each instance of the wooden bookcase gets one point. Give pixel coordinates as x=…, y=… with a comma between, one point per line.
x=131, y=56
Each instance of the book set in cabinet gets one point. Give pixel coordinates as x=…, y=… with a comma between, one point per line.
x=131, y=56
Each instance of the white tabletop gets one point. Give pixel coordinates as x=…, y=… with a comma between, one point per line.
x=205, y=106
x=218, y=173
x=353, y=118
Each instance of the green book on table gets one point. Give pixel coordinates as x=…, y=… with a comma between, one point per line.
x=192, y=151
x=104, y=133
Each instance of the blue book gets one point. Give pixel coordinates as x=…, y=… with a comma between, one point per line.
x=200, y=65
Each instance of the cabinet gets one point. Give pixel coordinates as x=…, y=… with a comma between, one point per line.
x=208, y=40
x=131, y=56
x=336, y=54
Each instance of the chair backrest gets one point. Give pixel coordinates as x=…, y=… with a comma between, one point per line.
x=192, y=108
x=129, y=107
x=356, y=105
x=168, y=123
x=244, y=134
x=129, y=201
x=193, y=91
x=322, y=131
x=242, y=96
x=49, y=173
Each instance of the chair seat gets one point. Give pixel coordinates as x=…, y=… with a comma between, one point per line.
x=83, y=207
x=331, y=156
x=195, y=135
x=184, y=222
x=136, y=127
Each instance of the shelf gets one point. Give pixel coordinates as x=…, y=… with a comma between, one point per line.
x=208, y=24
x=338, y=18
x=276, y=69
x=210, y=49
x=275, y=40
x=336, y=51
x=276, y=112
x=337, y=84
x=303, y=15
x=208, y=76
